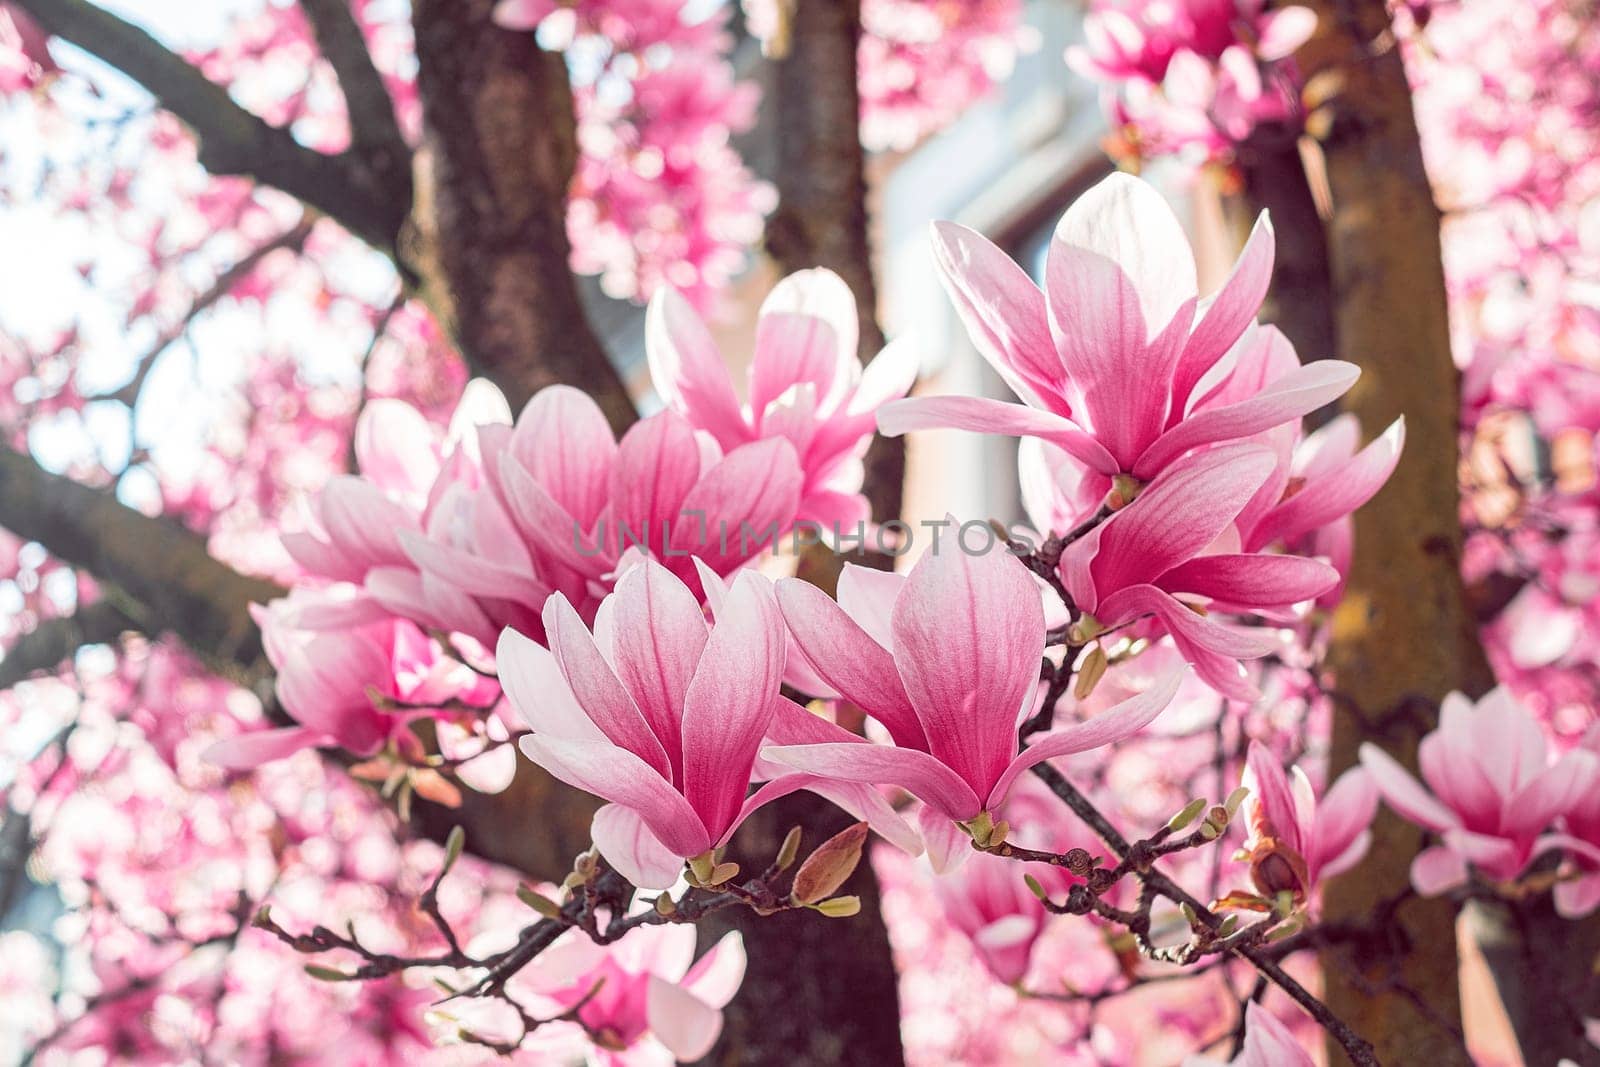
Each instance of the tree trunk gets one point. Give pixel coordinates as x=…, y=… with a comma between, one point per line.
x=488, y=231
x=1300, y=302
x=819, y=991
x=1403, y=636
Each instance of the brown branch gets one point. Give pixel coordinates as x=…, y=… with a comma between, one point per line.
x=170, y=581
x=374, y=130
x=52, y=641
x=1352, y=1043
x=232, y=139
x=489, y=237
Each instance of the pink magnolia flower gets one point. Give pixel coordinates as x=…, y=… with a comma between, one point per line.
x=404, y=460
x=657, y=713
x=806, y=385
x=1306, y=504
x=1178, y=539
x=575, y=500
x=332, y=657
x=1267, y=1043
x=1490, y=790
x=949, y=677
x=1294, y=841
x=1114, y=356
x=1196, y=73
x=652, y=1002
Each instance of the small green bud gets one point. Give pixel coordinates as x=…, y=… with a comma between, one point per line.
x=665, y=905
x=326, y=974
x=452, y=848
x=538, y=902
x=789, y=850
x=839, y=907
x=1235, y=798
x=722, y=873
x=1191, y=811
x=1090, y=672
x=1034, y=887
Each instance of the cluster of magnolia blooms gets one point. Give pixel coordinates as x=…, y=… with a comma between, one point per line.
x=605, y=589
x=1505, y=98
x=1192, y=77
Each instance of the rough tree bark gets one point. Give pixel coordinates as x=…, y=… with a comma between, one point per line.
x=488, y=231
x=819, y=992
x=1403, y=637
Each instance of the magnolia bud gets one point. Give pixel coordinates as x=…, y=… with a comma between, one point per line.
x=1090, y=673
x=326, y=974
x=789, y=850
x=830, y=866
x=665, y=905
x=1191, y=811
x=541, y=904
x=1124, y=488
x=839, y=907
x=1034, y=887
x=1086, y=629
x=700, y=868
x=1235, y=798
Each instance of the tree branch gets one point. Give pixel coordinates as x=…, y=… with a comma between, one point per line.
x=233, y=140
x=374, y=130
x=53, y=640
x=172, y=582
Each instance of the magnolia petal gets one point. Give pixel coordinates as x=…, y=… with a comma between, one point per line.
x=681, y=1021
x=1003, y=311
x=968, y=640
x=248, y=751
x=984, y=415
x=1177, y=516
x=1295, y=394
x=1110, y=726
x=537, y=689
x=1437, y=870
x=597, y=689
x=1229, y=312
x=1273, y=801
x=687, y=369
x=849, y=660
x=1336, y=492
x=658, y=638
x=717, y=975
x=806, y=334
x=615, y=774
x=1404, y=793
x=916, y=772
x=731, y=701
x=627, y=844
